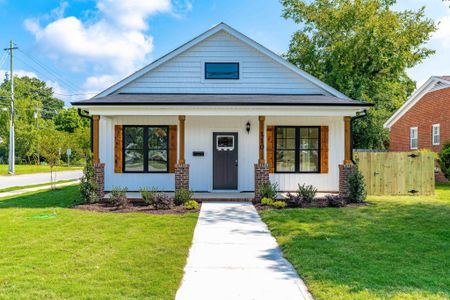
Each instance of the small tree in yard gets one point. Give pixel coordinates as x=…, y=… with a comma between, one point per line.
x=50, y=143
x=444, y=160
x=357, y=186
x=88, y=187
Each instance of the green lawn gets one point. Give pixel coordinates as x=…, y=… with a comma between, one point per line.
x=397, y=248
x=28, y=169
x=49, y=251
x=21, y=187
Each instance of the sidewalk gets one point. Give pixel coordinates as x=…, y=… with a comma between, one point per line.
x=38, y=188
x=234, y=256
x=7, y=181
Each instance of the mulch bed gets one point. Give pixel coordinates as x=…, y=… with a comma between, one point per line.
x=316, y=203
x=134, y=207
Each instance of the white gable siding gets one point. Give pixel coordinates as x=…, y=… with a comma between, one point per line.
x=258, y=73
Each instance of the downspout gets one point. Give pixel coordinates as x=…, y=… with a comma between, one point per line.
x=364, y=114
x=80, y=113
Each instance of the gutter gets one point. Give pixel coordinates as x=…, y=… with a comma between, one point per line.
x=87, y=116
x=364, y=114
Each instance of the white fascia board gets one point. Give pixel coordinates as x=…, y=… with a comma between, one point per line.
x=237, y=35
x=416, y=96
x=138, y=110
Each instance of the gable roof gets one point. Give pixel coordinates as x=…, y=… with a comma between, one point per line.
x=236, y=34
x=432, y=84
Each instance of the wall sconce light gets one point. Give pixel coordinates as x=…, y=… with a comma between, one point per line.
x=247, y=127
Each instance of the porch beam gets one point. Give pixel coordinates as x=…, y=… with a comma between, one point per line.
x=347, y=141
x=95, y=139
x=181, y=120
x=262, y=120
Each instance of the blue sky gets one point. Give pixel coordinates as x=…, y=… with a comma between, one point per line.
x=86, y=45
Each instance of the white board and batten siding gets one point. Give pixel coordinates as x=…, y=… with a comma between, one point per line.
x=259, y=73
x=199, y=137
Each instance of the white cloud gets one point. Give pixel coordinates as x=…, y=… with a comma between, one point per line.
x=442, y=35
x=109, y=46
x=19, y=73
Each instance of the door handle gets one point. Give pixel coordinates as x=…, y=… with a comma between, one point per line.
x=236, y=163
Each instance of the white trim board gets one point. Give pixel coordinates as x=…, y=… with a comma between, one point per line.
x=415, y=97
x=226, y=28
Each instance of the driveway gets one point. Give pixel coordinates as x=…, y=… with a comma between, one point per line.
x=37, y=178
x=234, y=256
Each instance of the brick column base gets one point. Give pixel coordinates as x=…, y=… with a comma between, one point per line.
x=99, y=177
x=261, y=176
x=181, y=176
x=344, y=173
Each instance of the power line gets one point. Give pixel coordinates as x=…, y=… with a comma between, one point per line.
x=3, y=59
x=51, y=71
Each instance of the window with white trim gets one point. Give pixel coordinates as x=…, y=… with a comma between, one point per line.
x=413, y=137
x=436, y=134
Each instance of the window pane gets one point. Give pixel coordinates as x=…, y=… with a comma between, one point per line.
x=309, y=161
x=285, y=161
x=134, y=160
x=285, y=133
x=222, y=70
x=283, y=144
x=157, y=138
x=309, y=144
x=157, y=160
x=134, y=137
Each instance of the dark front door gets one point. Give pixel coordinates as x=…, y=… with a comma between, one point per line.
x=225, y=161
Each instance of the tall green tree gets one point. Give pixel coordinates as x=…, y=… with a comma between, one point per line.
x=363, y=49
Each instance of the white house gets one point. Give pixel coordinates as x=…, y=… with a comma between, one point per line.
x=220, y=113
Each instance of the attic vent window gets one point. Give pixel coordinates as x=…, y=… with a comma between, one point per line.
x=221, y=70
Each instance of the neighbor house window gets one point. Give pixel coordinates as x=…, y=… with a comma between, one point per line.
x=413, y=137
x=145, y=149
x=297, y=149
x=436, y=134
x=221, y=70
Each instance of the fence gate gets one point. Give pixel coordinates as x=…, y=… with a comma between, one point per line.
x=397, y=173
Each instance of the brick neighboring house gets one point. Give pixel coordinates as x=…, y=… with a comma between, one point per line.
x=423, y=122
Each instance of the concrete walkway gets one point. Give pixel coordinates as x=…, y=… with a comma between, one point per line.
x=234, y=256
x=37, y=178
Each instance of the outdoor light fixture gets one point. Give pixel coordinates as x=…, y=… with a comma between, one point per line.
x=247, y=127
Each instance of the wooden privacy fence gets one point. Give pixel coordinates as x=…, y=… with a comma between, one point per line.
x=397, y=173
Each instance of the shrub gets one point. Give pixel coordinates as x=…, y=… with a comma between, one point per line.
x=88, y=186
x=119, y=197
x=335, y=201
x=278, y=204
x=266, y=201
x=294, y=199
x=306, y=192
x=268, y=190
x=148, y=196
x=191, y=204
x=444, y=160
x=182, y=195
x=357, y=186
x=163, y=201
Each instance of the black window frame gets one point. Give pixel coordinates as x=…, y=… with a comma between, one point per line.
x=146, y=148
x=223, y=63
x=297, y=151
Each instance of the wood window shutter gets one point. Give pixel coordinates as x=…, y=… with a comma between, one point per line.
x=270, y=135
x=323, y=149
x=172, y=148
x=118, y=138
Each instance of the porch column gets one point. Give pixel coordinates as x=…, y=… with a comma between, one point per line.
x=95, y=139
x=347, y=140
x=181, y=168
x=261, y=168
x=181, y=120
x=99, y=168
x=347, y=168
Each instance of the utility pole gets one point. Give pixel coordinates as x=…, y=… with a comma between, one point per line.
x=11, y=157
